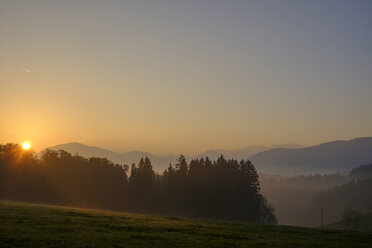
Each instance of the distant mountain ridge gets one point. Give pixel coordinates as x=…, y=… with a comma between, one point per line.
x=328, y=157
x=286, y=159
x=160, y=162
x=243, y=153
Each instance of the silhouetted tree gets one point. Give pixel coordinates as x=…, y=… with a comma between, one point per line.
x=141, y=182
x=352, y=218
x=363, y=171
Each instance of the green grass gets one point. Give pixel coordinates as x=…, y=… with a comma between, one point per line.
x=33, y=225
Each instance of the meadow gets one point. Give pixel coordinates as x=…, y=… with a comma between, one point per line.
x=37, y=225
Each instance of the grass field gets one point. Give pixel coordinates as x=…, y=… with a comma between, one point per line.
x=32, y=225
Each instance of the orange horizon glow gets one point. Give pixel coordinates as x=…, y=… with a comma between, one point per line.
x=267, y=76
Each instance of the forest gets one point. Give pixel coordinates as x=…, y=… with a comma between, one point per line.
x=297, y=200
x=221, y=189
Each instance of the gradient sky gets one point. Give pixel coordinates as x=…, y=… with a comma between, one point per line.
x=184, y=76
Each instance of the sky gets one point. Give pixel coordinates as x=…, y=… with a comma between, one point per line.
x=184, y=76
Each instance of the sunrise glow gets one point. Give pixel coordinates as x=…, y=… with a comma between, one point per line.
x=26, y=146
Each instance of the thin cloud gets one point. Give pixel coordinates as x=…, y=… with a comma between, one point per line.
x=27, y=70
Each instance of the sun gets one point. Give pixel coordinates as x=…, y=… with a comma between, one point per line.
x=26, y=145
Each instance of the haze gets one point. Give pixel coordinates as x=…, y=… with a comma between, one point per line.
x=172, y=76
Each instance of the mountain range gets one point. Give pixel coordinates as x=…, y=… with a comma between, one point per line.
x=161, y=162
x=286, y=159
x=335, y=156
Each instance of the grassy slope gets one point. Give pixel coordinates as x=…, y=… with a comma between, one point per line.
x=32, y=225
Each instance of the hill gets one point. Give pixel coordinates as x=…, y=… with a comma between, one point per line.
x=32, y=225
x=364, y=224
x=285, y=159
x=292, y=197
x=328, y=157
x=242, y=153
x=356, y=194
x=160, y=162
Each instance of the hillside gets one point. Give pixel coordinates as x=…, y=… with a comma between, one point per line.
x=364, y=224
x=242, y=153
x=356, y=194
x=161, y=162
x=285, y=159
x=32, y=225
x=292, y=197
x=328, y=157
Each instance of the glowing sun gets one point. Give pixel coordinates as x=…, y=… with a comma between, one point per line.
x=26, y=146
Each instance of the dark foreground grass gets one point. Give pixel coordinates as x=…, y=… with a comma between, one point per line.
x=32, y=225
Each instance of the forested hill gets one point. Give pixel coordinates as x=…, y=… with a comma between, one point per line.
x=328, y=157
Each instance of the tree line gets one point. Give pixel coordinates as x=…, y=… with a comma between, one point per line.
x=355, y=194
x=297, y=199
x=221, y=189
